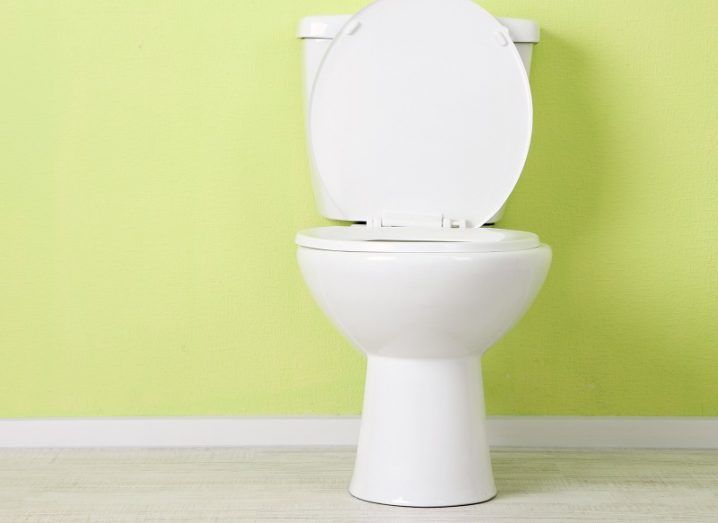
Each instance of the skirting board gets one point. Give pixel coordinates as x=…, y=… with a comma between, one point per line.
x=504, y=431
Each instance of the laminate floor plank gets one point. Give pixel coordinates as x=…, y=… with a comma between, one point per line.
x=309, y=484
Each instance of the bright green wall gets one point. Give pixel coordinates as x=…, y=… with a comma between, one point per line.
x=153, y=174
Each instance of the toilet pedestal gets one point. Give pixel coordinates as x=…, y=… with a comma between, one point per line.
x=423, y=435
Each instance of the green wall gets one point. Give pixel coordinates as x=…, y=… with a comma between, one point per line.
x=153, y=174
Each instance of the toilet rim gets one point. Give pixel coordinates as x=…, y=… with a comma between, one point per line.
x=360, y=238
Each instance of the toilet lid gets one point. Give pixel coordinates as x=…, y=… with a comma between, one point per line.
x=420, y=107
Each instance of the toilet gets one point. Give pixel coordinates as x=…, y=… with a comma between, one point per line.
x=419, y=120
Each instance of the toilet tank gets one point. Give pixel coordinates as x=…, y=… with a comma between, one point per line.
x=317, y=32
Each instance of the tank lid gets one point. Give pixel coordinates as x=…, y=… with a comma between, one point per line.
x=521, y=30
x=326, y=27
x=321, y=27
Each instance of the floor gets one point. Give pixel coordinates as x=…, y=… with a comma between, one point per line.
x=310, y=485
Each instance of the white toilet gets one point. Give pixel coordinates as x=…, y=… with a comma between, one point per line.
x=419, y=123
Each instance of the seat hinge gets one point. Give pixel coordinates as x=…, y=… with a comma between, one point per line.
x=404, y=219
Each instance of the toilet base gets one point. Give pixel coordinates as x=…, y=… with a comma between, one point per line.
x=423, y=434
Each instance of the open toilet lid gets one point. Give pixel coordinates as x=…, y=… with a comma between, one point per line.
x=420, y=107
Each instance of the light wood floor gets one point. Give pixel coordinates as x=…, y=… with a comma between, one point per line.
x=310, y=485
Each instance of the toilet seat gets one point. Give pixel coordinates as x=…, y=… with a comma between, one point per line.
x=420, y=107
x=359, y=238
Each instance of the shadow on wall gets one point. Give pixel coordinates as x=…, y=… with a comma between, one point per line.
x=562, y=195
x=621, y=324
x=563, y=185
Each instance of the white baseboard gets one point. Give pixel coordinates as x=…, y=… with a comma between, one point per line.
x=504, y=431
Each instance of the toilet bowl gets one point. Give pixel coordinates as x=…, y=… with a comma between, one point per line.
x=419, y=122
x=423, y=312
